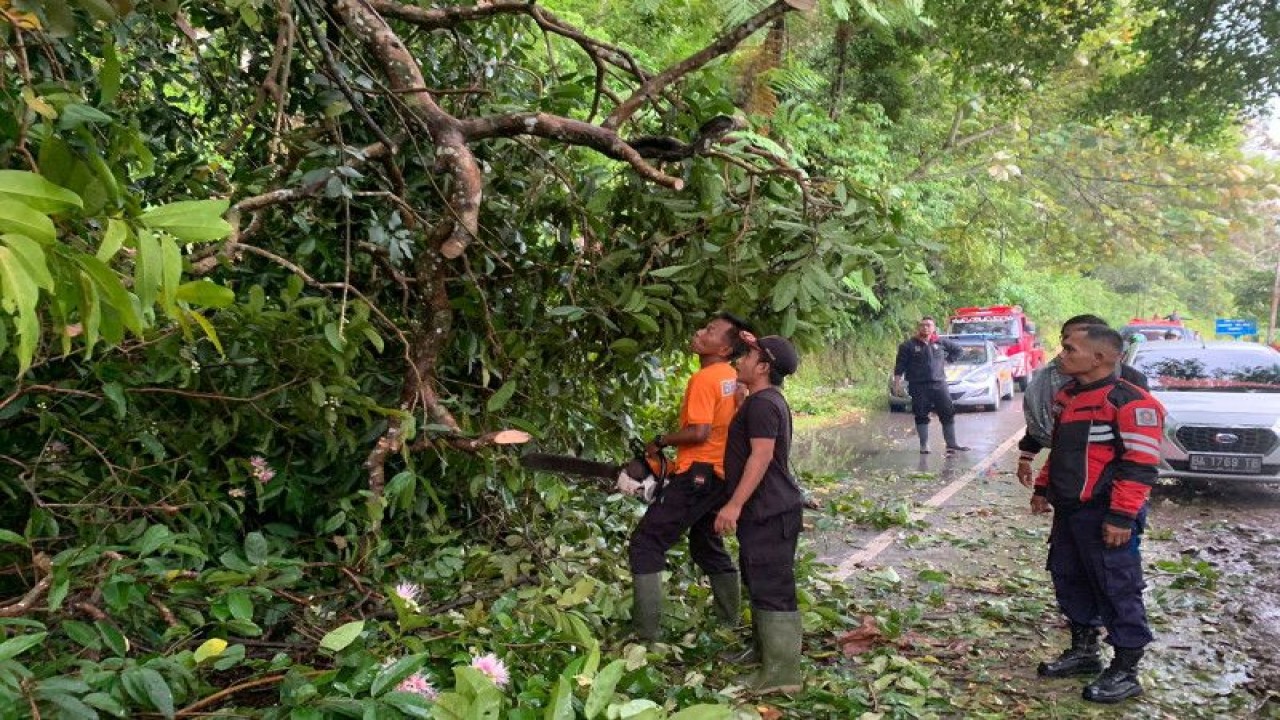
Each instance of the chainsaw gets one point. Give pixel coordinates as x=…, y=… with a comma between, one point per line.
x=634, y=477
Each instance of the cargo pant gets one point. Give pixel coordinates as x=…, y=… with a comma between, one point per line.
x=1092, y=581
x=689, y=502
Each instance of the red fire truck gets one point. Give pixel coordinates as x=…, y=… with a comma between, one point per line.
x=1009, y=329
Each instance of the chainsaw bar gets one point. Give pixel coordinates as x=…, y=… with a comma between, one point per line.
x=570, y=465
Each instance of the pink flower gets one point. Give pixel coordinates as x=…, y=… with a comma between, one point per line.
x=418, y=684
x=262, y=472
x=493, y=668
x=408, y=592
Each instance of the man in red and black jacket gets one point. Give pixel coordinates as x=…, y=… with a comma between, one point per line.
x=1106, y=445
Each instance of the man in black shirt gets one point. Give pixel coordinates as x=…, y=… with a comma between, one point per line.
x=922, y=361
x=765, y=511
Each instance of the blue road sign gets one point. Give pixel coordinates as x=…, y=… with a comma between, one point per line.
x=1235, y=327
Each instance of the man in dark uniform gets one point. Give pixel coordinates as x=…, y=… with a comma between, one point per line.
x=695, y=488
x=922, y=361
x=765, y=511
x=1106, y=445
x=1037, y=400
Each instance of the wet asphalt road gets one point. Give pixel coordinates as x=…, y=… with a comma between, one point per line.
x=876, y=458
x=1212, y=556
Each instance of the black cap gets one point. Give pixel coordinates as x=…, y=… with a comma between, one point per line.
x=780, y=353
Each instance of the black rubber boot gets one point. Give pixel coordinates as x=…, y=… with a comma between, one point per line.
x=781, y=637
x=646, y=608
x=726, y=594
x=750, y=653
x=949, y=434
x=1119, y=681
x=1080, y=659
x=922, y=430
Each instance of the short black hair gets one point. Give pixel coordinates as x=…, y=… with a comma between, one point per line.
x=1085, y=319
x=1103, y=334
x=738, y=348
x=930, y=318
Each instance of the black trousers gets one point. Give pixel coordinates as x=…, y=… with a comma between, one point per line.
x=689, y=502
x=931, y=396
x=767, y=553
x=1093, y=581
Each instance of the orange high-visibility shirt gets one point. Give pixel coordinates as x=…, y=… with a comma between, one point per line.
x=709, y=399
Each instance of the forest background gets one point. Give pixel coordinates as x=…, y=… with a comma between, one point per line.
x=278, y=278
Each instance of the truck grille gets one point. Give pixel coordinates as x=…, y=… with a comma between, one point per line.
x=1250, y=441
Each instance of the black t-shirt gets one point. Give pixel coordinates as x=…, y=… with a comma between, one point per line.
x=923, y=362
x=764, y=414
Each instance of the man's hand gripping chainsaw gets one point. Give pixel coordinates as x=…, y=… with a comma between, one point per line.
x=636, y=477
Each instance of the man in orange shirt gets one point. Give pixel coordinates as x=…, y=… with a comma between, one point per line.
x=695, y=489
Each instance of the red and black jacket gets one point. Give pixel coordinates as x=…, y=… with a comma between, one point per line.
x=1106, y=445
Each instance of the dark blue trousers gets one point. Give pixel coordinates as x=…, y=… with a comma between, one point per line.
x=1092, y=581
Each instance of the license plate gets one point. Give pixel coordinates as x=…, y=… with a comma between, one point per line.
x=1244, y=464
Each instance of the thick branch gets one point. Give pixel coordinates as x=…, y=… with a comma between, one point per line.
x=569, y=131
x=721, y=46
x=23, y=604
x=450, y=17
x=451, y=147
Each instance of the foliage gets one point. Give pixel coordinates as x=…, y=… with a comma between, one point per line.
x=248, y=384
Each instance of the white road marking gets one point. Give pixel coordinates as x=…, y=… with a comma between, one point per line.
x=886, y=538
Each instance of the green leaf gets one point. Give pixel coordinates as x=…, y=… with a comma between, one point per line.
x=255, y=548
x=391, y=676
x=602, y=688
x=704, y=712
x=561, y=705
x=113, y=239
x=109, y=74
x=147, y=271
x=112, y=290
x=205, y=293
x=190, y=220
x=17, y=217
x=669, y=271
x=18, y=295
x=115, y=393
x=76, y=114
x=170, y=273
x=106, y=703
x=337, y=639
x=82, y=634
x=240, y=605
x=334, y=336
x=70, y=707
x=9, y=536
x=115, y=640
x=207, y=327
x=411, y=704
x=784, y=293
x=625, y=346
x=31, y=254
x=58, y=592
x=157, y=690
x=13, y=647
x=36, y=192
x=500, y=398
